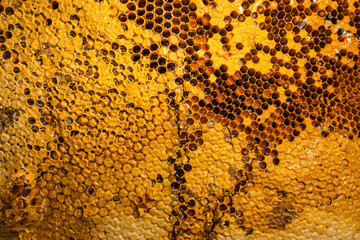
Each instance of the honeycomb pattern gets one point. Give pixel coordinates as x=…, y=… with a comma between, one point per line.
x=153, y=119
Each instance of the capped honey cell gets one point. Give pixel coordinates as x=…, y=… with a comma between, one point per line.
x=179, y=117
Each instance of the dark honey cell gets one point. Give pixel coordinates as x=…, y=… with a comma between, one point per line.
x=6, y=55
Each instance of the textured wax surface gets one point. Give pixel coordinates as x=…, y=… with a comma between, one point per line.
x=169, y=119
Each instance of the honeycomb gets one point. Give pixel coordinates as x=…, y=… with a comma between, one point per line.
x=179, y=119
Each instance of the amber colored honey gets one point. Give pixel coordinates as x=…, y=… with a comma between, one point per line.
x=169, y=119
